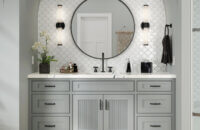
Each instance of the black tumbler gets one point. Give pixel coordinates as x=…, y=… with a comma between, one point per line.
x=146, y=67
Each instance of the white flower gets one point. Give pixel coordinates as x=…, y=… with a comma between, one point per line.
x=36, y=45
x=42, y=47
x=42, y=34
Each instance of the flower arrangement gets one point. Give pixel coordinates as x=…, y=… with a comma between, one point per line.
x=42, y=50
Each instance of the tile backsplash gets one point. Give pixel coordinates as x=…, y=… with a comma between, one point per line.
x=136, y=51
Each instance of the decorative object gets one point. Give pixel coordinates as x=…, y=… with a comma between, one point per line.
x=42, y=50
x=71, y=68
x=145, y=25
x=94, y=20
x=128, y=68
x=146, y=67
x=60, y=25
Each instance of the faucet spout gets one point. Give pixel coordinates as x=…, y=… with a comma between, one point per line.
x=102, y=62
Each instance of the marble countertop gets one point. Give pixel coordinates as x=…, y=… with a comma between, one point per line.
x=102, y=75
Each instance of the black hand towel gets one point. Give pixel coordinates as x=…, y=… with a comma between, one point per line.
x=167, y=48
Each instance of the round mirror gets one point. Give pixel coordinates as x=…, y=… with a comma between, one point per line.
x=102, y=26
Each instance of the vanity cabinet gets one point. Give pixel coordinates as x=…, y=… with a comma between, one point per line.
x=88, y=112
x=102, y=104
x=98, y=112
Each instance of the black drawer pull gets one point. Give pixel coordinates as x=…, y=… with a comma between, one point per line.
x=155, y=103
x=48, y=104
x=50, y=86
x=155, y=86
x=155, y=126
x=50, y=126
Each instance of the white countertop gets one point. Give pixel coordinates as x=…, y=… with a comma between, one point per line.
x=101, y=75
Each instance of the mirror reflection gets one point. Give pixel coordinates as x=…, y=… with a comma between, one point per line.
x=102, y=26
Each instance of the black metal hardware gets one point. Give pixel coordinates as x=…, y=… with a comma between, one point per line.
x=110, y=69
x=145, y=25
x=196, y=114
x=155, y=103
x=47, y=103
x=155, y=86
x=106, y=105
x=50, y=126
x=101, y=104
x=102, y=62
x=60, y=25
x=196, y=29
x=95, y=68
x=155, y=126
x=59, y=44
x=169, y=25
x=50, y=86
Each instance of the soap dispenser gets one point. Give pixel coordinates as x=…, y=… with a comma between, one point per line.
x=128, y=68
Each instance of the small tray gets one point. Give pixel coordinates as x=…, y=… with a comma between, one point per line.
x=66, y=71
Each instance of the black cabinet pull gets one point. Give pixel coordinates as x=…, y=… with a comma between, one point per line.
x=107, y=105
x=101, y=104
x=47, y=103
x=155, y=86
x=155, y=103
x=155, y=126
x=50, y=126
x=50, y=86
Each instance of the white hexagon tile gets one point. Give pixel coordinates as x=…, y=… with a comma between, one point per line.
x=136, y=51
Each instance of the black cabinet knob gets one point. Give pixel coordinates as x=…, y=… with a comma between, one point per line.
x=110, y=69
x=95, y=68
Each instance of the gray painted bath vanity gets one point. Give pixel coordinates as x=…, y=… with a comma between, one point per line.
x=139, y=103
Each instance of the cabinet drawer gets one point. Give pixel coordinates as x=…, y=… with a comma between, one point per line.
x=50, y=104
x=45, y=86
x=154, y=104
x=103, y=86
x=157, y=86
x=50, y=123
x=154, y=123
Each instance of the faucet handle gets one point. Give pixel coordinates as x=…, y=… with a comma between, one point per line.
x=110, y=69
x=95, y=68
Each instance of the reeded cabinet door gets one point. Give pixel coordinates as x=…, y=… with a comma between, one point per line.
x=118, y=113
x=87, y=112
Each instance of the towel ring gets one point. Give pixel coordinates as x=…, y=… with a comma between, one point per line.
x=167, y=26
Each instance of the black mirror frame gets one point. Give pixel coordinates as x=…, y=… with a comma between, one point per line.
x=93, y=56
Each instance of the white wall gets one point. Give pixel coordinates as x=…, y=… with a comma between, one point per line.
x=9, y=65
x=136, y=51
x=173, y=13
x=185, y=65
x=28, y=35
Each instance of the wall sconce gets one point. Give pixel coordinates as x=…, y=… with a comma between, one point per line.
x=145, y=25
x=60, y=25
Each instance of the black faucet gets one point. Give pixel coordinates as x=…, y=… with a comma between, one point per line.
x=102, y=62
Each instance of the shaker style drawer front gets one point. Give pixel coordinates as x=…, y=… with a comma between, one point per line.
x=154, y=86
x=50, y=104
x=153, y=104
x=154, y=123
x=50, y=86
x=99, y=86
x=50, y=123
